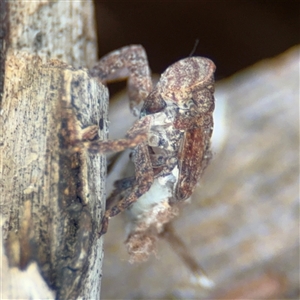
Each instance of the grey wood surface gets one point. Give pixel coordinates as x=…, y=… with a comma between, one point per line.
x=51, y=196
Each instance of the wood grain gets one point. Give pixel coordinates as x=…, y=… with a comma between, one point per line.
x=52, y=189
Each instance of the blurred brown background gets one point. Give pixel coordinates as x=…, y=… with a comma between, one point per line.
x=243, y=222
x=234, y=34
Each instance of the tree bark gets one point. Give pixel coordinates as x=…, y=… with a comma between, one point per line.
x=52, y=189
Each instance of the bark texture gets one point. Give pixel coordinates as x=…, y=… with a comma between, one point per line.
x=51, y=187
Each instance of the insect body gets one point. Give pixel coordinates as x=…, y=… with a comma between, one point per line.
x=171, y=138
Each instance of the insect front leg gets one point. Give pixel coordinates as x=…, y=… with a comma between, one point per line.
x=136, y=135
x=143, y=180
x=128, y=62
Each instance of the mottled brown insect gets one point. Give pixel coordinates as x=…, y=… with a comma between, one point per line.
x=171, y=138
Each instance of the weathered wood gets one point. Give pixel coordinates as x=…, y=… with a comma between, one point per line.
x=64, y=30
x=52, y=189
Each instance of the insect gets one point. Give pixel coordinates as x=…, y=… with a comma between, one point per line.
x=171, y=139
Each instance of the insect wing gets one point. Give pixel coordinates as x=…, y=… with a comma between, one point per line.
x=194, y=156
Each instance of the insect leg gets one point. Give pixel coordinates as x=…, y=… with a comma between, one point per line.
x=128, y=62
x=122, y=188
x=143, y=182
x=136, y=135
x=186, y=256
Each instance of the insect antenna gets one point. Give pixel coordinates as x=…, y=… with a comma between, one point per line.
x=195, y=47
